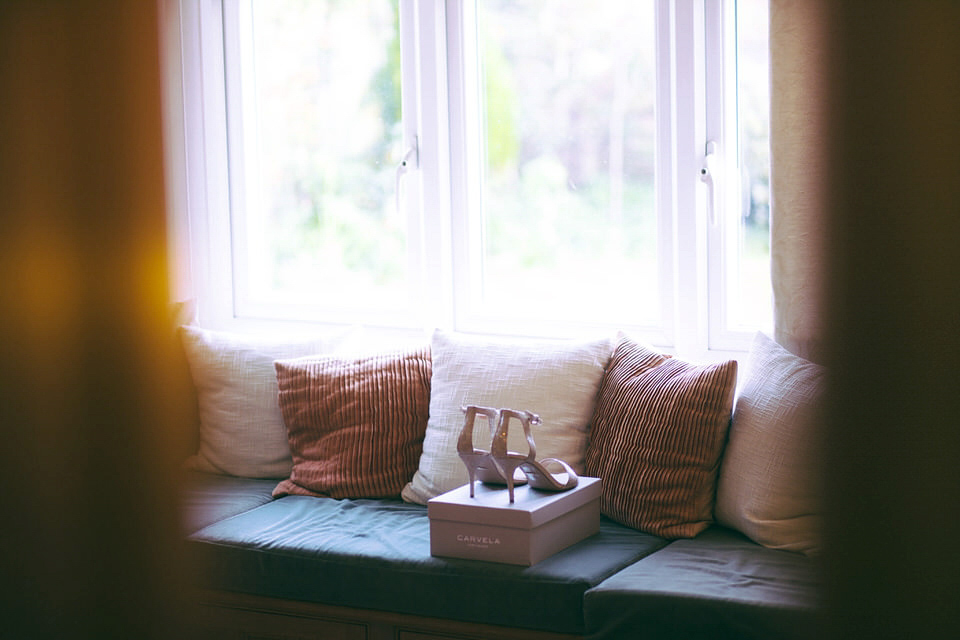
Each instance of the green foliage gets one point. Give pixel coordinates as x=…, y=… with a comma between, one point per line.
x=386, y=82
x=501, y=104
x=539, y=223
x=335, y=111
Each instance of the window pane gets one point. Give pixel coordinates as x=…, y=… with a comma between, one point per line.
x=323, y=226
x=754, y=308
x=568, y=200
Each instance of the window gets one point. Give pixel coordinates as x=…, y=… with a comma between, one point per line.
x=564, y=221
x=534, y=167
x=738, y=74
x=314, y=117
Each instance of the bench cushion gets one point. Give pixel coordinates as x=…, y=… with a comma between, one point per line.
x=375, y=554
x=206, y=498
x=717, y=585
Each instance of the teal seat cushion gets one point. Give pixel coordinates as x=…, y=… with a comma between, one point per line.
x=206, y=498
x=375, y=554
x=715, y=586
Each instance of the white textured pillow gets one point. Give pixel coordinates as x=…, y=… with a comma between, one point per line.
x=241, y=427
x=769, y=479
x=558, y=380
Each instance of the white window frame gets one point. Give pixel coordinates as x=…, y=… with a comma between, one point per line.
x=722, y=138
x=693, y=37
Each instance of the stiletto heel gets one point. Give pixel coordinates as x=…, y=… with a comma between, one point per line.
x=535, y=471
x=477, y=461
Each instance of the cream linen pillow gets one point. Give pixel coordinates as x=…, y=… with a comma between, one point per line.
x=769, y=479
x=188, y=435
x=558, y=380
x=241, y=427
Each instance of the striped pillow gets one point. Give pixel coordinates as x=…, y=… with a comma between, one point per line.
x=656, y=439
x=355, y=425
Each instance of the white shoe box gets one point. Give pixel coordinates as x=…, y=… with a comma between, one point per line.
x=535, y=526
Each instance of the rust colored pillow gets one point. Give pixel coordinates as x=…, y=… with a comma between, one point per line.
x=355, y=425
x=656, y=439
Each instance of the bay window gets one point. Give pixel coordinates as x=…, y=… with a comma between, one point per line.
x=526, y=167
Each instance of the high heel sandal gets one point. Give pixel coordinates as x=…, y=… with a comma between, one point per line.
x=508, y=461
x=479, y=464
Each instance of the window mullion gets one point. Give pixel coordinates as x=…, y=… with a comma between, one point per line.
x=718, y=114
x=241, y=134
x=409, y=181
x=665, y=170
x=688, y=136
x=206, y=171
x=463, y=101
x=726, y=250
x=432, y=116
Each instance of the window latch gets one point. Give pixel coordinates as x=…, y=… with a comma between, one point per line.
x=709, y=170
x=409, y=161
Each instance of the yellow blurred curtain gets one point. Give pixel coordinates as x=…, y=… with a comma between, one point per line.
x=89, y=537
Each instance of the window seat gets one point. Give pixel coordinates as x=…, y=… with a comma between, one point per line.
x=305, y=567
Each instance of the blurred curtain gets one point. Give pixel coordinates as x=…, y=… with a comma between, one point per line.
x=893, y=318
x=797, y=63
x=89, y=535
x=866, y=268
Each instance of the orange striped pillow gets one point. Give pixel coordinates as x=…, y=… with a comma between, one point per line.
x=656, y=439
x=355, y=426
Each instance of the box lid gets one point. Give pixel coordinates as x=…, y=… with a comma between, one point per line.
x=491, y=504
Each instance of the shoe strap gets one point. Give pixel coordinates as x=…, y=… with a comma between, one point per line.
x=465, y=441
x=526, y=419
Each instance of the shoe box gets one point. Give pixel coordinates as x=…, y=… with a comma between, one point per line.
x=535, y=526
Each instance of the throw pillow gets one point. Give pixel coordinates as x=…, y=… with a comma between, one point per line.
x=355, y=425
x=241, y=428
x=187, y=437
x=557, y=380
x=656, y=439
x=768, y=486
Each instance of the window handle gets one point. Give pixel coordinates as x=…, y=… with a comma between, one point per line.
x=410, y=161
x=709, y=174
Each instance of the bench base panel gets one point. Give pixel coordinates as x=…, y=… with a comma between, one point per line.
x=236, y=616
